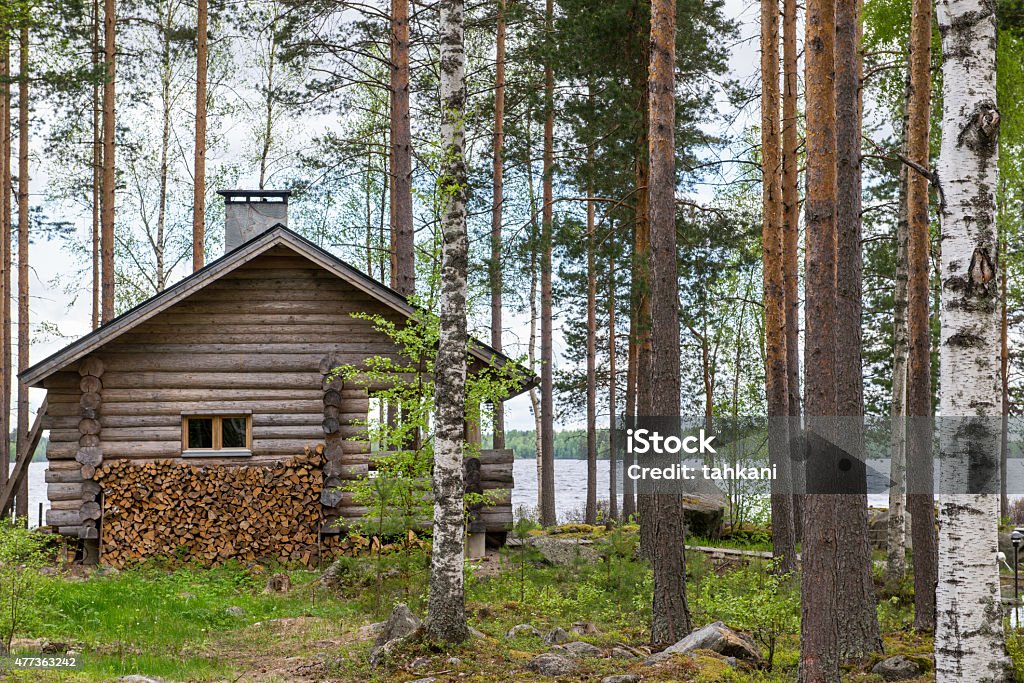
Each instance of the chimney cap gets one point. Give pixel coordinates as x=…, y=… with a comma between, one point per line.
x=248, y=196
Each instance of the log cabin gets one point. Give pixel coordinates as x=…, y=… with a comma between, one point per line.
x=206, y=420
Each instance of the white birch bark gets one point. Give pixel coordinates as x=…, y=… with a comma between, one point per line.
x=446, y=617
x=969, y=632
x=896, y=536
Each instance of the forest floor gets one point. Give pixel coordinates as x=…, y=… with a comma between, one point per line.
x=182, y=623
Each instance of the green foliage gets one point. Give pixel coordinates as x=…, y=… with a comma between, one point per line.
x=22, y=554
x=755, y=598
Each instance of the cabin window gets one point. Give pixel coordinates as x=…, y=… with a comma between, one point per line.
x=216, y=434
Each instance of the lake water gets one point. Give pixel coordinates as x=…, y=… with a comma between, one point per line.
x=570, y=486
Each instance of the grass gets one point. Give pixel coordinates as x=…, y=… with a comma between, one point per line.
x=175, y=623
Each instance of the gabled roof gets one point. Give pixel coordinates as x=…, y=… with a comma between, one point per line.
x=275, y=236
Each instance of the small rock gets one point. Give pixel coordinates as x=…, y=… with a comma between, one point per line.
x=278, y=583
x=522, y=629
x=716, y=637
x=585, y=628
x=235, y=611
x=428, y=679
x=453, y=662
x=557, y=636
x=621, y=653
x=622, y=678
x=551, y=664
x=897, y=668
x=55, y=647
x=580, y=649
x=419, y=663
x=474, y=633
x=136, y=678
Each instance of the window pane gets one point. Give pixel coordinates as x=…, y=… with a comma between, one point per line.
x=200, y=432
x=233, y=432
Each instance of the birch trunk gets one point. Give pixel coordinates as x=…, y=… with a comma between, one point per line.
x=199, y=187
x=107, y=205
x=97, y=160
x=446, y=614
x=670, y=616
x=777, y=390
x=547, y=356
x=629, y=410
x=896, y=529
x=497, y=200
x=21, y=501
x=969, y=631
x=5, y=250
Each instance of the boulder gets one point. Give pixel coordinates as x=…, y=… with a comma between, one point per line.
x=400, y=625
x=585, y=628
x=897, y=668
x=580, y=649
x=522, y=630
x=716, y=637
x=622, y=678
x=619, y=652
x=557, y=636
x=551, y=664
x=563, y=552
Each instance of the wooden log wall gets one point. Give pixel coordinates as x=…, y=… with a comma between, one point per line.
x=212, y=513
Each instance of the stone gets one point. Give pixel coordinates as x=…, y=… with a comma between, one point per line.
x=428, y=679
x=474, y=633
x=563, y=552
x=557, y=636
x=551, y=664
x=235, y=611
x=897, y=668
x=621, y=653
x=136, y=678
x=716, y=637
x=523, y=630
x=579, y=648
x=453, y=662
x=419, y=663
x=585, y=628
x=278, y=583
x=401, y=623
x=622, y=678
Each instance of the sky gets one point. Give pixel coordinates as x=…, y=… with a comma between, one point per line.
x=71, y=315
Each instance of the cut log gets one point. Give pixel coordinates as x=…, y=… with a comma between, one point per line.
x=90, y=401
x=89, y=456
x=90, y=384
x=91, y=366
x=91, y=510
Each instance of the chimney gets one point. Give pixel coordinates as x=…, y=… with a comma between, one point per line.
x=248, y=213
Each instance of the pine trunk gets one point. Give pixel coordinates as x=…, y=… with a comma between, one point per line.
x=590, y=516
x=783, y=533
x=791, y=238
x=497, y=201
x=613, y=474
x=629, y=410
x=21, y=507
x=107, y=205
x=920, y=500
x=969, y=635
x=547, y=357
x=403, y=263
x=199, y=187
x=819, y=632
x=97, y=160
x=859, y=636
x=670, y=617
x=446, y=615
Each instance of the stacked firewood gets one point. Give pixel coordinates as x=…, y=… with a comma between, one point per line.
x=212, y=513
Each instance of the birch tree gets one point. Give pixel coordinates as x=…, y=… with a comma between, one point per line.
x=446, y=616
x=109, y=180
x=199, y=178
x=969, y=635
